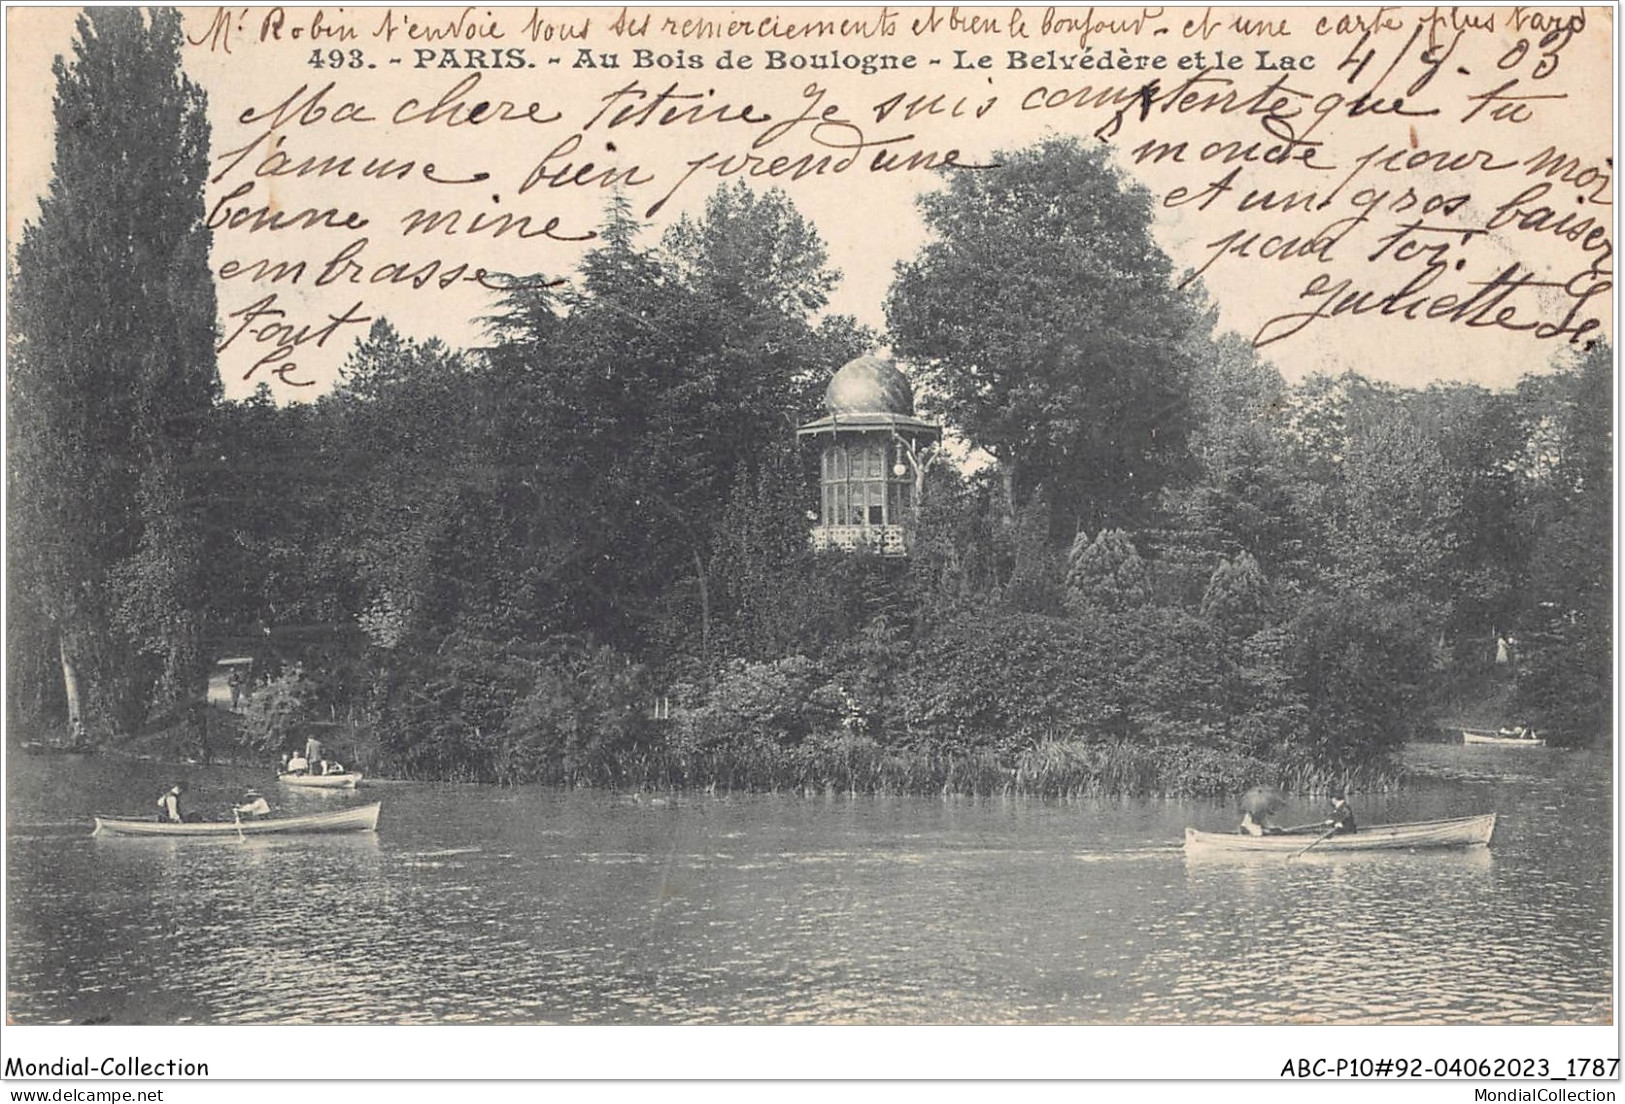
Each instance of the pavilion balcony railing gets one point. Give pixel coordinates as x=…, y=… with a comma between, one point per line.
x=887, y=540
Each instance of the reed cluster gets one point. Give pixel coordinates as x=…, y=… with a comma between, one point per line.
x=841, y=764
x=1058, y=768
x=1075, y=768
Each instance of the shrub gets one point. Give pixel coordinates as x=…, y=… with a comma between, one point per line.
x=998, y=681
x=584, y=713
x=1106, y=573
x=443, y=712
x=757, y=704
x=276, y=710
x=1358, y=664
x=1008, y=681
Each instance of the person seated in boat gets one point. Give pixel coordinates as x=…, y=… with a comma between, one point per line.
x=252, y=804
x=1341, y=822
x=297, y=764
x=332, y=766
x=1257, y=826
x=170, y=804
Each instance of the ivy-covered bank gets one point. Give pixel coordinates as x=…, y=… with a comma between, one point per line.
x=965, y=696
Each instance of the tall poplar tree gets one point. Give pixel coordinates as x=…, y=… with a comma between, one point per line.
x=113, y=375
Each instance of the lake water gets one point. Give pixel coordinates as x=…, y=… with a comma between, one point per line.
x=535, y=905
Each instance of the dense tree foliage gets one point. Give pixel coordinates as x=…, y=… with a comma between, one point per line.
x=1565, y=631
x=1043, y=318
x=579, y=555
x=112, y=377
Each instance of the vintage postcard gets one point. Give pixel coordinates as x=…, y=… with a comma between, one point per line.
x=588, y=522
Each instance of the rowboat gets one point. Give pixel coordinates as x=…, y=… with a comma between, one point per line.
x=345, y=781
x=1500, y=739
x=357, y=818
x=1473, y=831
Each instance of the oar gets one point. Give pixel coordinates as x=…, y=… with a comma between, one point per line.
x=1327, y=836
x=237, y=819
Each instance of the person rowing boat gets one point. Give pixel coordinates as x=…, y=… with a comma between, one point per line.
x=1456, y=832
x=1341, y=822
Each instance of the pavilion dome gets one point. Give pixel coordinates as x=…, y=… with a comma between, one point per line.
x=869, y=385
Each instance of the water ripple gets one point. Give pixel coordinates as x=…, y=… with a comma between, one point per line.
x=540, y=906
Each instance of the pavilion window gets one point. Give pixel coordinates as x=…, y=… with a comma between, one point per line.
x=867, y=483
x=899, y=500
x=861, y=487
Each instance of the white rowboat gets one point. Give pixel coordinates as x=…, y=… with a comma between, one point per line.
x=356, y=818
x=1496, y=739
x=345, y=781
x=1473, y=831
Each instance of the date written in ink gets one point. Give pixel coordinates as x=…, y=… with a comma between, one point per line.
x=512, y=57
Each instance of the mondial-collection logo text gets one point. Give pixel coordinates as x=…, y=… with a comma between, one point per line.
x=108, y=1067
